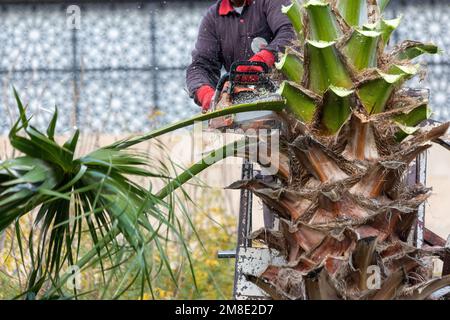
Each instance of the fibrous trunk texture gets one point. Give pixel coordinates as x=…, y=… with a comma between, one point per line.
x=345, y=211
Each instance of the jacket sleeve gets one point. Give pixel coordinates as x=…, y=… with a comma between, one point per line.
x=280, y=25
x=206, y=64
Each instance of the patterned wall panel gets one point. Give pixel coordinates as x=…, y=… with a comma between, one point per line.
x=176, y=32
x=114, y=36
x=34, y=38
x=127, y=61
x=41, y=91
x=428, y=21
x=174, y=101
x=116, y=101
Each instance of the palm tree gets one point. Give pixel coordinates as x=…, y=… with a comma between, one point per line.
x=345, y=211
x=349, y=134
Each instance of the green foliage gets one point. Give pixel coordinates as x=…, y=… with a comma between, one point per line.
x=362, y=48
x=335, y=108
x=353, y=11
x=343, y=47
x=213, y=277
x=325, y=67
x=293, y=11
x=323, y=24
x=95, y=199
x=299, y=101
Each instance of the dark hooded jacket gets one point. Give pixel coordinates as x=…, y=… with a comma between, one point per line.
x=226, y=36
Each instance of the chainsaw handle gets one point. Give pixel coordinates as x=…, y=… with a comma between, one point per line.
x=230, y=76
x=237, y=64
x=234, y=73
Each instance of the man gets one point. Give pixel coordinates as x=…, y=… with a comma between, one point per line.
x=234, y=30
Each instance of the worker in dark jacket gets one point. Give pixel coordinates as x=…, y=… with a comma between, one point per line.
x=235, y=30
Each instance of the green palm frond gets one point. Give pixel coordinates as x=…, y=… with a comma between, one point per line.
x=96, y=198
x=96, y=191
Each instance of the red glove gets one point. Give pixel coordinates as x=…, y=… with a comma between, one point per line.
x=205, y=95
x=263, y=56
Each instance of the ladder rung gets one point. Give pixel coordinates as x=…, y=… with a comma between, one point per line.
x=226, y=254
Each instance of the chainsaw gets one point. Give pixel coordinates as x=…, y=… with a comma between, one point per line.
x=238, y=87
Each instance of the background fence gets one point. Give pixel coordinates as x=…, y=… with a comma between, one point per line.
x=123, y=70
